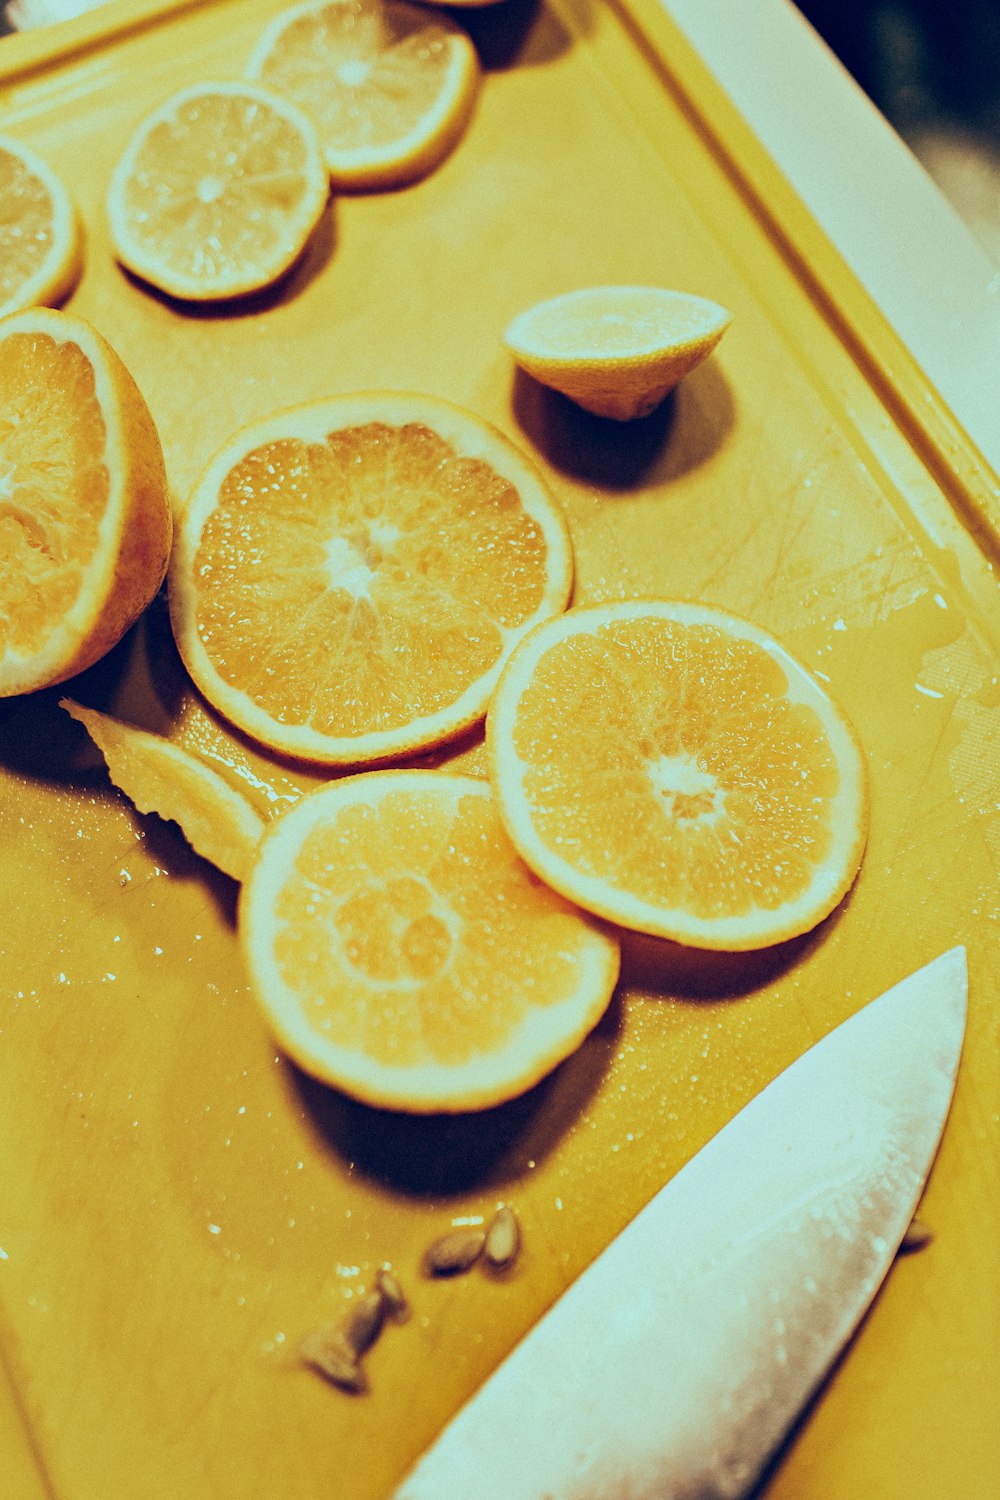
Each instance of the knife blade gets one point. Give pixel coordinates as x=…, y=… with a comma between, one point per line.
x=674, y=1366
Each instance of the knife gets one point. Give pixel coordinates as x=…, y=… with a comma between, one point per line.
x=675, y=1365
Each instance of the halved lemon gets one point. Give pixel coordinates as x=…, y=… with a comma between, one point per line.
x=217, y=192
x=616, y=350
x=85, y=520
x=348, y=576
x=402, y=952
x=675, y=770
x=40, y=244
x=390, y=85
x=163, y=778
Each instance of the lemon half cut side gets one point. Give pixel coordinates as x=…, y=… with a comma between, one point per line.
x=617, y=351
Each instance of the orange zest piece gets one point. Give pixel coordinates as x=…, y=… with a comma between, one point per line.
x=616, y=350
x=349, y=576
x=675, y=770
x=40, y=241
x=403, y=953
x=85, y=521
x=217, y=192
x=160, y=777
x=390, y=85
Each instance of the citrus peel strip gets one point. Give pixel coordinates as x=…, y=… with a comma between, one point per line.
x=161, y=777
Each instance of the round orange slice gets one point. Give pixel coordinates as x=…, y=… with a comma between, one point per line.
x=39, y=231
x=217, y=192
x=348, y=576
x=675, y=770
x=85, y=519
x=403, y=953
x=616, y=350
x=390, y=85
x=163, y=778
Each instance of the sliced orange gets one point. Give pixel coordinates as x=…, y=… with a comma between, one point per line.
x=389, y=85
x=160, y=777
x=217, y=192
x=402, y=952
x=677, y=771
x=349, y=575
x=39, y=231
x=84, y=515
x=616, y=350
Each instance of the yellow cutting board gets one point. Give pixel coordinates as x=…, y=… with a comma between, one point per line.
x=179, y=1205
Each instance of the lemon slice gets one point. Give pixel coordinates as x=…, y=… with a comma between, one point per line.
x=40, y=239
x=217, y=192
x=673, y=769
x=616, y=350
x=349, y=576
x=402, y=952
x=85, y=520
x=390, y=85
x=161, y=777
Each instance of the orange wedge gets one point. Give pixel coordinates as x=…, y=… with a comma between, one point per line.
x=673, y=769
x=84, y=515
x=349, y=575
x=389, y=85
x=39, y=231
x=616, y=350
x=403, y=953
x=217, y=192
x=160, y=777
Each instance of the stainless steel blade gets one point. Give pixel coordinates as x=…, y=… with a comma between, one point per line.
x=677, y=1362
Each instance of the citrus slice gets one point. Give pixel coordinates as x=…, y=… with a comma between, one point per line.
x=160, y=777
x=389, y=85
x=349, y=575
x=39, y=231
x=674, y=769
x=84, y=514
x=217, y=191
x=402, y=952
x=616, y=350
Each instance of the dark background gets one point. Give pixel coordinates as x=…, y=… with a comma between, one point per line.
x=933, y=69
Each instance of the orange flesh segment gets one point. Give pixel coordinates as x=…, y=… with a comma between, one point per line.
x=414, y=560
x=412, y=932
x=675, y=793
x=54, y=485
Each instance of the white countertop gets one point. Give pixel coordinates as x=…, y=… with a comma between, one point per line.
x=916, y=258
